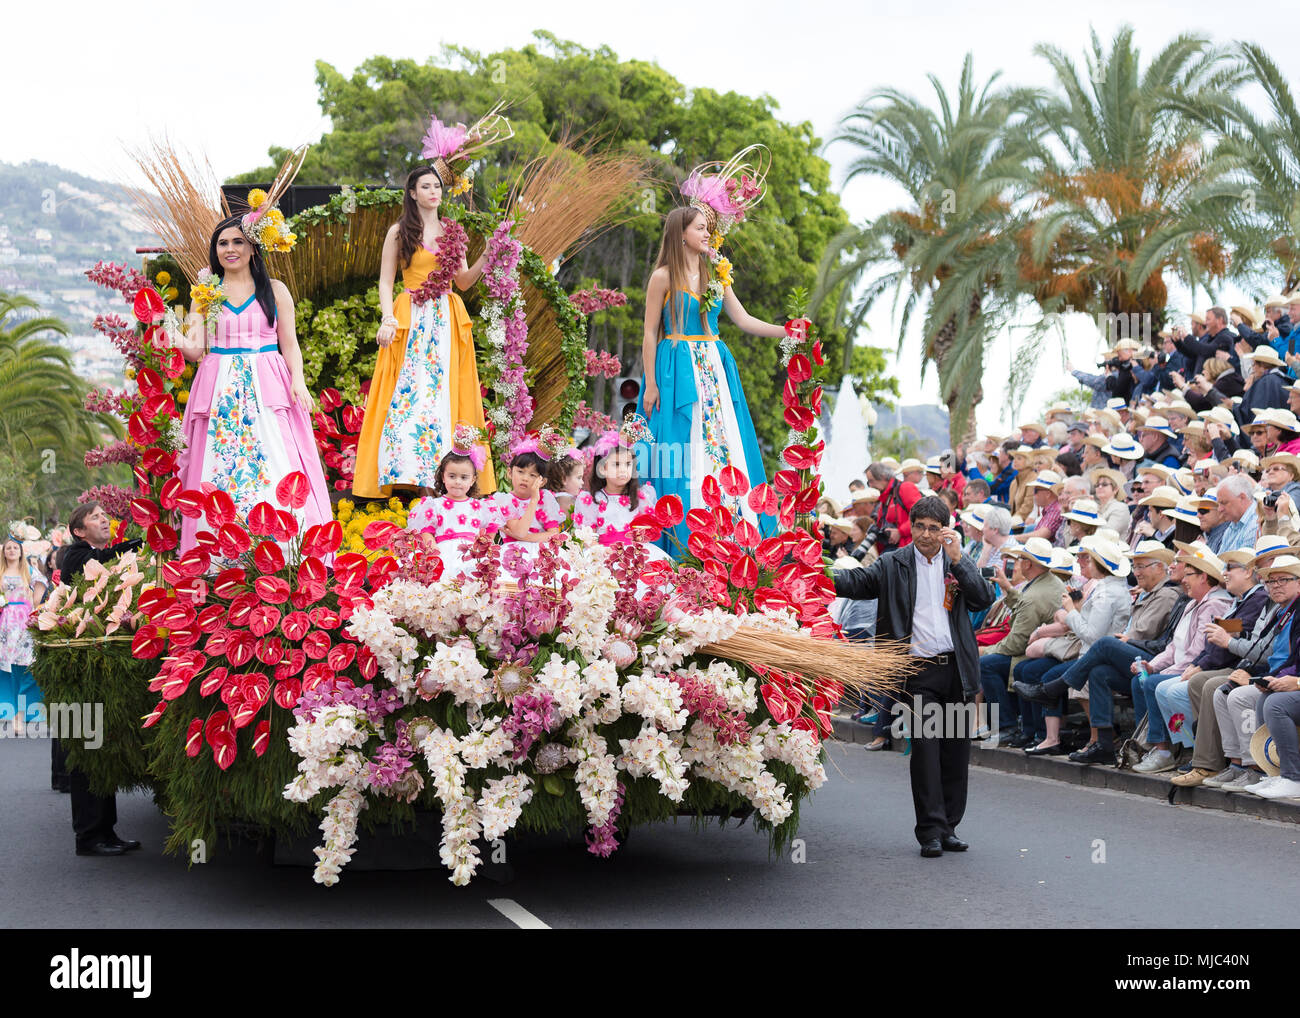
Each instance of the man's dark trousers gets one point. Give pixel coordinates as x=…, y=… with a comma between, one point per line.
x=939, y=765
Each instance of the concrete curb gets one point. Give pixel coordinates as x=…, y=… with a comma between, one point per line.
x=1154, y=786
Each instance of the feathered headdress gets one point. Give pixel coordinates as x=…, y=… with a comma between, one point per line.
x=634, y=429
x=458, y=144
x=468, y=441
x=726, y=192
x=263, y=223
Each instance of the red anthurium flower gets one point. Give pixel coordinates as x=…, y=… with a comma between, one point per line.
x=770, y=552
x=211, y=618
x=322, y=539
x=223, y=753
x=218, y=724
x=219, y=507
x=341, y=655
x=230, y=583
x=728, y=552
x=147, y=643
x=815, y=400
x=149, y=307
x=263, y=620
x=311, y=569
x=194, y=737
x=293, y=489
x=379, y=534
x=381, y=571
x=786, y=482
x=350, y=569
x=286, y=525
x=262, y=519
x=149, y=382
x=669, y=509
x=315, y=675
x=733, y=481
x=213, y=680
x=241, y=607
x=141, y=431
x=269, y=650
x=272, y=589
x=167, y=494
x=151, y=719
x=172, y=362
x=760, y=497
x=777, y=704
x=172, y=572
x=723, y=522
x=790, y=394
x=799, y=369
x=330, y=399
x=143, y=484
x=261, y=737
x=268, y=557
x=367, y=663
x=158, y=463
x=161, y=537
x=807, y=725
x=806, y=500
x=189, y=504
x=144, y=511
x=286, y=693
x=294, y=662
x=745, y=573
x=316, y=644
x=154, y=600
x=700, y=521
x=799, y=417
x=307, y=595
x=158, y=405
x=218, y=642
x=786, y=516
x=195, y=562
x=174, y=616
x=817, y=357
x=718, y=569
x=324, y=617
x=234, y=540
x=645, y=527
x=256, y=688
x=185, y=636
x=800, y=457
x=711, y=492
x=797, y=329
x=701, y=546
x=295, y=625
x=767, y=598
x=747, y=535
x=240, y=649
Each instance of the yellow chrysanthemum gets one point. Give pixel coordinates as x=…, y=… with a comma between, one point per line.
x=183, y=397
x=722, y=272
x=274, y=216
x=256, y=198
x=715, y=241
x=163, y=278
x=188, y=371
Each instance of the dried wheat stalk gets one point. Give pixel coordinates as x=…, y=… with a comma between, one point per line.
x=878, y=668
x=185, y=205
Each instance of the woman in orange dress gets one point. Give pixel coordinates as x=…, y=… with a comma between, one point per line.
x=426, y=379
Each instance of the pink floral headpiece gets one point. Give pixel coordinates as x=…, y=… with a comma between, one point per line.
x=458, y=143
x=547, y=443
x=635, y=429
x=468, y=441
x=726, y=192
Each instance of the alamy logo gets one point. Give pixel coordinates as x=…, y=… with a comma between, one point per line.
x=75, y=971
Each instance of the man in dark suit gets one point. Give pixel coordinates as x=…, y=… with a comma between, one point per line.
x=925, y=591
x=93, y=816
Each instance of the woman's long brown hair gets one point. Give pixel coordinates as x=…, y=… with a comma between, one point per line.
x=672, y=252
x=410, y=228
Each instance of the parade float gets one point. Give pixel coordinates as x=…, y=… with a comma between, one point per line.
x=283, y=679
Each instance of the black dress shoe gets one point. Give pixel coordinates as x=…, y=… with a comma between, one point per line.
x=1033, y=692
x=952, y=843
x=1057, y=750
x=101, y=848
x=1093, y=753
x=126, y=844
x=1016, y=740
x=932, y=849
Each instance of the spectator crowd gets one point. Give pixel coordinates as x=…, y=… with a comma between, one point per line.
x=1144, y=552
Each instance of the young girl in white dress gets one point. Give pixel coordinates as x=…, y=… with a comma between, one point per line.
x=455, y=514
x=617, y=495
x=532, y=514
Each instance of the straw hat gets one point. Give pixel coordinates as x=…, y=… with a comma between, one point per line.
x=1178, y=405
x=836, y=508
x=1157, y=424
x=1268, y=547
x=1250, y=314
x=1198, y=556
x=1282, y=419
x=1158, y=469
x=837, y=523
x=1265, y=354
x=1114, y=476
x=975, y=515
x=1110, y=418
x=1046, y=479
x=933, y=465
x=1152, y=550
x=1287, y=459
x=1210, y=500
x=1204, y=466
x=1288, y=564
x=1276, y=301
x=1109, y=555
x=1263, y=750
x=1123, y=446
x=1116, y=404
x=1128, y=344
x=910, y=464
x=1197, y=318
x=1220, y=415
x=1022, y=451
x=1182, y=480
x=1062, y=562
x=1239, y=556
x=1194, y=428
x=1036, y=426
x=1100, y=441
x=890, y=462
x=1248, y=458
x=1044, y=458
x=1185, y=510
x=1057, y=408
x=868, y=494
x=1083, y=510
x=1164, y=497
x=1036, y=548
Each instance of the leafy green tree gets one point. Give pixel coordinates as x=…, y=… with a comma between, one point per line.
x=901, y=443
x=379, y=113
x=44, y=427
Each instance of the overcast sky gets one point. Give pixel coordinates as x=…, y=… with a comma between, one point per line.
x=80, y=80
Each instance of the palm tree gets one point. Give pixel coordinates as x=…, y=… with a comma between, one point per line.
x=960, y=164
x=1254, y=198
x=1116, y=163
x=43, y=423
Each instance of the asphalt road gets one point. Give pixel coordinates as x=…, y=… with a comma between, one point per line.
x=1035, y=861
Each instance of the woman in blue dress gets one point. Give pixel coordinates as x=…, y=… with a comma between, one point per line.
x=691, y=395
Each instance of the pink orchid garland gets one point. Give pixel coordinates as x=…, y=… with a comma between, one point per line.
x=508, y=335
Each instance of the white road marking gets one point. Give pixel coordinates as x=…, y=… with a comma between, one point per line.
x=517, y=914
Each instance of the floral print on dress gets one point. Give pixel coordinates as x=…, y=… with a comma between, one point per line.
x=712, y=423
x=415, y=434
x=16, y=647
x=233, y=442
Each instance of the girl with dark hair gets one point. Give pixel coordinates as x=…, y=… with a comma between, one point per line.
x=617, y=495
x=426, y=378
x=247, y=421
x=456, y=512
x=698, y=418
x=531, y=512
x=568, y=472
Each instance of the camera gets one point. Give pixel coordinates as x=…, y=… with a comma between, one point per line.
x=987, y=572
x=1270, y=499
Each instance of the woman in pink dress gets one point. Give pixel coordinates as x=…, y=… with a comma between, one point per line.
x=246, y=422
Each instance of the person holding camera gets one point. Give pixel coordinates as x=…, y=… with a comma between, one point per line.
x=925, y=595
x=890, y=527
